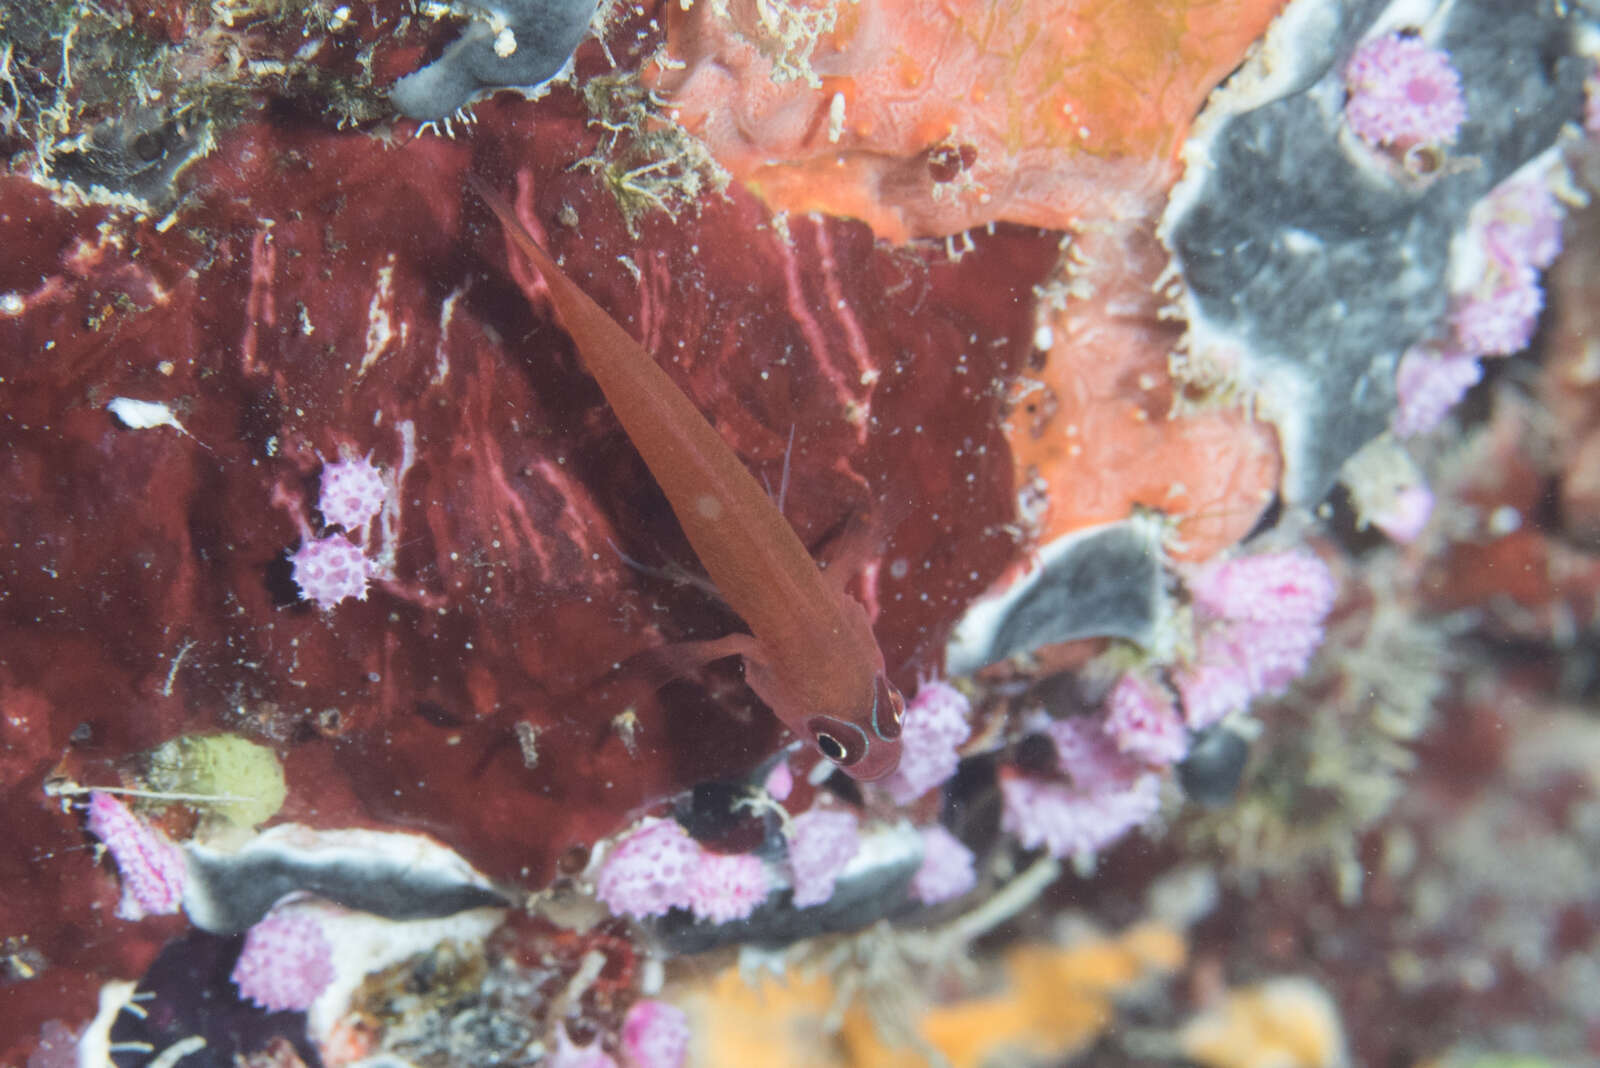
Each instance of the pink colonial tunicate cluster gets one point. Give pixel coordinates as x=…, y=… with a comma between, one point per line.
x=1258, y=622
x=1512, y=235
x=932, y=731
x=334, y=567
x=152, y=868
x=352, y=493
x=1403, y=93
x=658, y=867
x=330, y=569
x=946, y=872
x=287, y=961
x=1429, y=382
x=1142, y=720
x=1107, y=795
x=821, y=843
x=727, y=887
x=1259, y=619
x=1497, y=316
x=655, y=1035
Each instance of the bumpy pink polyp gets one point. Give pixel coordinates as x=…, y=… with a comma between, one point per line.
x=655, y=1035
x=286, y=963
x=1428, y=384
x=1143, y=721
x=935, y=727
x=659, y=867
x=1402, y=93
x=946, y=872
x=152, y=868
x=723, y=888
x=352, y=493
x=821, y=845
x=648, y=872
x=330, y=569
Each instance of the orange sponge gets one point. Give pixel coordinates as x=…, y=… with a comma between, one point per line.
x=926, y=120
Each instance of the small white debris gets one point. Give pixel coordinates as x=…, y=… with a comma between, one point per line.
x=505, y=43
x=528, y=743
x=835, y=118
x=1504, y=520
x=147, y=415
x=626, y=726
x=143, y=414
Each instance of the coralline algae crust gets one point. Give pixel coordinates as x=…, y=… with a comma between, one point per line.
x=1308, y=262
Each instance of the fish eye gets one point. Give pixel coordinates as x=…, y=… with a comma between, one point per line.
x=830, y=746
x=888, y=707
x=843, y=743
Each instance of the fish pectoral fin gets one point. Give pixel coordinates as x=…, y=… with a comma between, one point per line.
x=675, y=573
x=677, y=660
x=857, y=539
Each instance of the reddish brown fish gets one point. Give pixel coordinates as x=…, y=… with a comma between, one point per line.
x=810, y=654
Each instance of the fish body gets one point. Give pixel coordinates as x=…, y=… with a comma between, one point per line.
x=811, y=654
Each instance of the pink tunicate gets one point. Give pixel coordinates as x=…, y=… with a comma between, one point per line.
x=1499, y=318
x=1284, y=587
x=946, y=871
x=153, y=870
x=1260, y=622
x=935, y=725
x=1143, y=721
x=821, y=844
x=352, y=493
x=1211, y=692
x=286, y=963
x=1403, y=92
x=1070, y=820
x=1086, y=756
x=655, y=1035
x=1521, y=223
x=649, y=871
x=330, y=569
x=1270, y=655
x=1428, y=384
x=723, y=888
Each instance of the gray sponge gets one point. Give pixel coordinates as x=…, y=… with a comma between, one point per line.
x=1315, y=270
x=509, y=44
